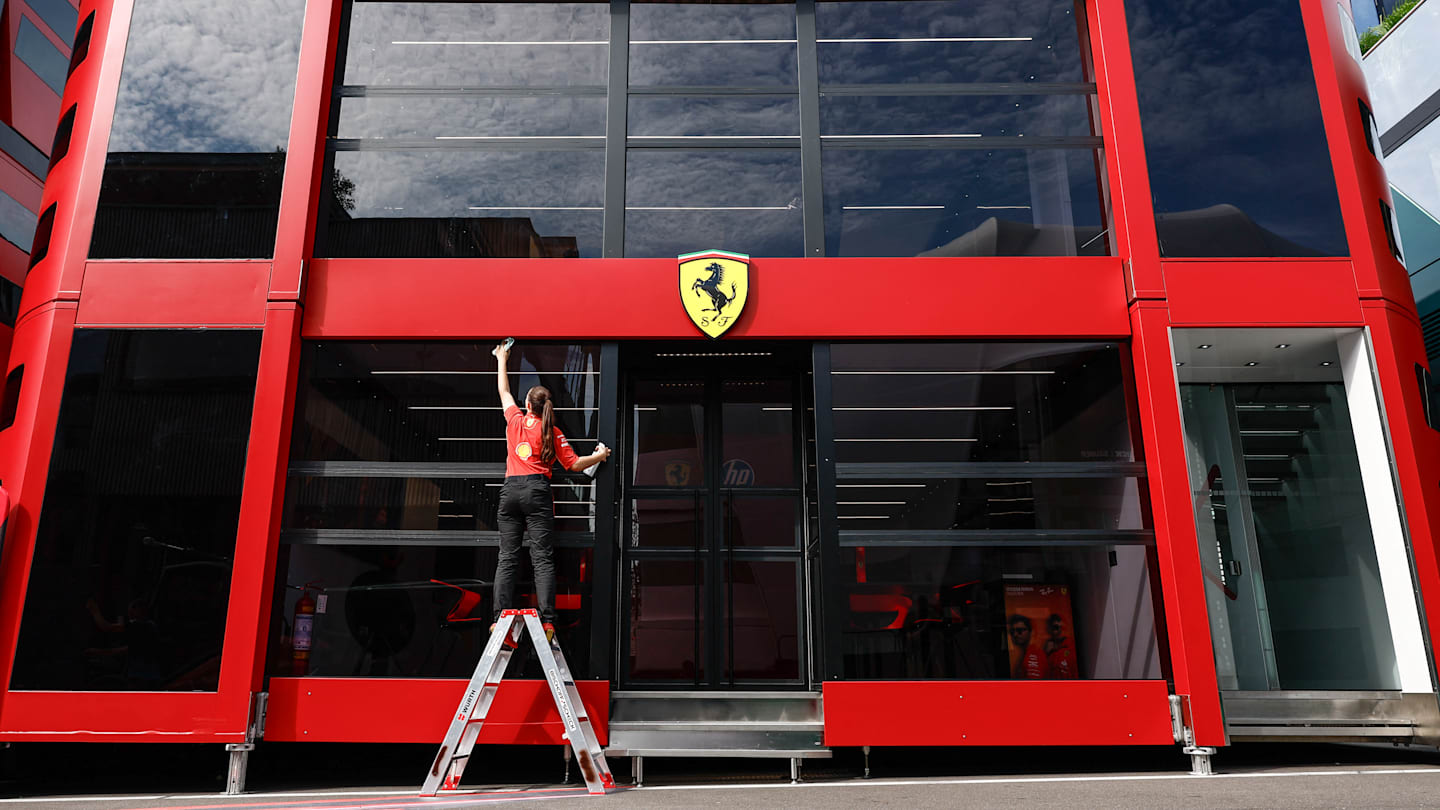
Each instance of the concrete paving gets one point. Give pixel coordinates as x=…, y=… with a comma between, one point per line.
x=1280, y=776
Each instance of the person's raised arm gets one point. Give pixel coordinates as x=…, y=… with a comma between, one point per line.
x=585, y=462
x=502, y=376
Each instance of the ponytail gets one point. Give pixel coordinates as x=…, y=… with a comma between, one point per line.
x=538, y=402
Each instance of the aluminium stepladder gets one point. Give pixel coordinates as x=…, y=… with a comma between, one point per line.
x=475, y=706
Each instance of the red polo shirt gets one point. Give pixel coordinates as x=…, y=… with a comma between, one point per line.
x=522, y=444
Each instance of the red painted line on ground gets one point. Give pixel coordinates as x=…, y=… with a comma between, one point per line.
x=363, y=803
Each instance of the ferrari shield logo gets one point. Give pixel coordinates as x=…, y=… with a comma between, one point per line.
x=713, y=287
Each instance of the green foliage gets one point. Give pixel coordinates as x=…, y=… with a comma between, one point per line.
x=1370, y=36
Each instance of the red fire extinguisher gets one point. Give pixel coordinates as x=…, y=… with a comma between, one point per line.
x=302, y=631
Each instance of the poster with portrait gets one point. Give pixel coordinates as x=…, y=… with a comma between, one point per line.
x=1040, y=632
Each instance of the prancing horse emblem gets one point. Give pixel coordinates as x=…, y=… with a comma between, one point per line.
x=713, y=287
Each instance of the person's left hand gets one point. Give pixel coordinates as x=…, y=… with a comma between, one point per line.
x=501, y=353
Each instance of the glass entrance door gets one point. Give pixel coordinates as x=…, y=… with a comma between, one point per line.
x=1292, y=582
x=713, y=589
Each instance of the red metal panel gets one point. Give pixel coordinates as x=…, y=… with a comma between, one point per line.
x=247, y=621
x=419, y=710
x=306, y=153
x=126, y=293
x=1262, y=292
x=42, y=344
x=257, y=538
x=1132, y=216
x=74, y=184
x=997, y=713
x=793, y=298
x=1398, y=346
x=118, y=717
x=1177, y=550
x=26, y=190
x=1359, y=175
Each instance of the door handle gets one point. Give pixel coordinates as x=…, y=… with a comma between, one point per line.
x=1234, y=566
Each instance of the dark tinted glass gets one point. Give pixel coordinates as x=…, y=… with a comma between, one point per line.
x=1239, y=164
x=745, y=197
x=11, y=402
x=17, y=223
x=10, y=295
x=470, y=118
x=58, y=14
x=60, y=147
x=934, y=41
x=761, y=605
x=668, y=435
x=197, y=148
x=40, y=55
x=130, y=581
x=984, y=613
x=471, y=130
x=956, y=116
x=969, y=402
x=81, y=48
x=963, y=202
x=736, y=44
x=40, y=247
x=669, y=116
x=413, y=611
x=1003, y=502
x=459, y=203
x=667, y=619
x=469, y=45
x=419, y=502
x=431, y=402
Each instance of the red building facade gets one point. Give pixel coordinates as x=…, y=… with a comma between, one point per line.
x=1072, y=350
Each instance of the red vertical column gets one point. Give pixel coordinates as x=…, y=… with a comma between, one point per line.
x=1177, y=550
x=1398, y=346
x=257, y=533
x=42, y=346
x=1187, y=621
x=1132, y=212
x=258, y=537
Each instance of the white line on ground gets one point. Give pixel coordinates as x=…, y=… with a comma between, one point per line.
x=1041, y=779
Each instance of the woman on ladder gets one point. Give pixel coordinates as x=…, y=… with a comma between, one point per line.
x=532, y=446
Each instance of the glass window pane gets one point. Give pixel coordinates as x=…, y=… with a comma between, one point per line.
x=458, y=203
x=412, y=611
x=39, y=54
x=477, y=44
x=678, y=199
x=17, y=223
x=1239, y=164
x=763, y=616
x=965, y=402
x=197, y=148
x=431, y=402
x=671, y=116
x=761, y=521
x=937, y=41
x=736, y=44
x=667, y=523
x=420, y=503
x=58, y=14
x=464, y=118
x=130, y=581
x=758, y=433
x=667, y=620
x=985, y=613
x=963, y=202
x=967, y=116
x=1021, y=502
x=669, y=434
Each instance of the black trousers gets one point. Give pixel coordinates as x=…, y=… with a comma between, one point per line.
x=526, y=504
